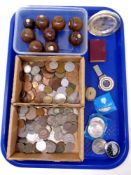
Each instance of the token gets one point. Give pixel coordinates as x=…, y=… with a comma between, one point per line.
x=60, y=147
x=59, y=98
x=41, y=145
x=64, y=82
x=35, y=70
x=69, y=147
x=69, y=66
x=50, y=146
x=27, y=69
x=41, y=87
x=53, y=65
x=44, y=134
x=90, y=93
x=98, y=146
x=112, y=149
x=47, y=99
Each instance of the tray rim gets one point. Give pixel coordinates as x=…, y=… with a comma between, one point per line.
x=71, y=165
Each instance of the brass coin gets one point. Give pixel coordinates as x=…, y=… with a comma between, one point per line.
x=55, y=83
x=48, y=67
x=35, y=84
x=69, y=90
x=59, y=75
x=73, y=76
x=48, y=89
x=46, y=81
x=61, y=68
x=47, y=99
x=40, y=112
x=27, y=86
x=47, y=74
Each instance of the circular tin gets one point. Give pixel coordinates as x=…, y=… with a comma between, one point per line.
x=112, y=149
x=98, y=146
x=104, y=23
x=106, y=83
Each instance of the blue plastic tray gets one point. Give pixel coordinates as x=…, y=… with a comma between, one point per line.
x=118, y=120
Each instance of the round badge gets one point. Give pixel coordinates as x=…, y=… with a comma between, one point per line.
x=106, y=83
x=104, y=23
x=112, y=149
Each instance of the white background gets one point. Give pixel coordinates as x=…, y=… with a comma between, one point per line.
x=7, y=8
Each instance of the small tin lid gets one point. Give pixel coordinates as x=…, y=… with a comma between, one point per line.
x=112, y=149
x=104, y=23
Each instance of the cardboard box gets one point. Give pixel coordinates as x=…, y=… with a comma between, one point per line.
x=75, y=156
x=17, y=84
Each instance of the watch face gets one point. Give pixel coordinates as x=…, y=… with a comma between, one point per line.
x=112, y=149
x=106, y=83
x=104, y=23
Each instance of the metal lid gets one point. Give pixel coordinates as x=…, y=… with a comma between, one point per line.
x=104, y=23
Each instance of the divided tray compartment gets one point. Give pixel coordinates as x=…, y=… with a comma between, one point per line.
x=118, y=120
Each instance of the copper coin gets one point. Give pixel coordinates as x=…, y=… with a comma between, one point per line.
x=48, y=67
x=21, y=123
x=47, y=74
x=55, y=83
x=31, y=115
x=61, y=68
x=31, y=95
x=45, y=111
x=27, y=86
x=60, y=147
x=46, y=81
x=27, y=77
x=44, y=134
x=70, y=75
x=39, y=112
x=39, y=97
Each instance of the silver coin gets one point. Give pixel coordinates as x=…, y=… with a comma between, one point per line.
x=51, y=137
x=41, y=87
x=56, y=110
x=51, y=111
x=73, y=98
x=53, y=65
x=50, y=146
x=64, y=82
x=41, y=145
x=51, y=120
x=61, y=90
x=98, y=146
x=104, y=23
x=75, y=110
x=112, y=149
x=37, y=77
x=20, y=147
x=106, y=83
x=68, y=138
x=69, y=147
x=32, y=138
x=58, y=136
x=59, y=98
x=35, y=70
x=27, y=69
x=69, y=66
x=23, y=109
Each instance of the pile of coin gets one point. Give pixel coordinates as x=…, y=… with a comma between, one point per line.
x=50, y=82
x=50, y=130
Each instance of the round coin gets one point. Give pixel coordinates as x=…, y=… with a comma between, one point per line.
x=41, y=87
x=69, y=66
x=60, y=69
x=41, y=145
x=31, y=115
x=64, y=82
x=27, y=68
x=35, y=70
x=112, y=149
x=44, y=134
x=53, y=65
x=47, y=99
x=50, y=146
x=59, y=98
x=60, y=147
x=98, y=146
x=68, y=138
x=27, y=86
x=69, y=147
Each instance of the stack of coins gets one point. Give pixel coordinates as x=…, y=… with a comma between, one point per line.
x=50, y=130
x=50, y=82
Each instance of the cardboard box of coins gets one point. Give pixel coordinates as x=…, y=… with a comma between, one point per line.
x=48, y=80
x=46, y=133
